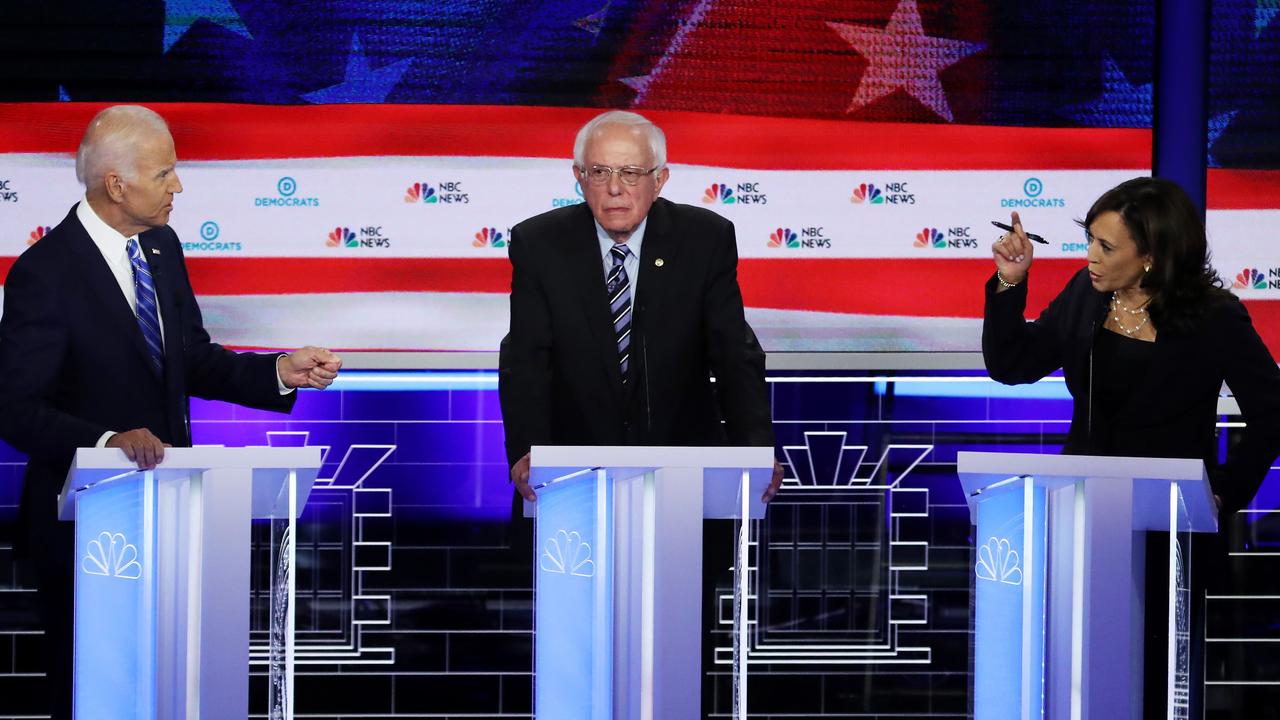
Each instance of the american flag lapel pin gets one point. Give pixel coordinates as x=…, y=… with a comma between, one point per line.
x=154, y=251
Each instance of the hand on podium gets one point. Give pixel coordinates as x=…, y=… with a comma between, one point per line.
x=520, y=476
x=141, y=446
x=774, y=483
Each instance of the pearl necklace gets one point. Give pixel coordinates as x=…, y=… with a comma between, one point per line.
x=1140, y=310
x=1115, y=315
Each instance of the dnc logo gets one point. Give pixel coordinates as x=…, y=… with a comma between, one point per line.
x=342, y=237
x=867, y=193
x=39, y=232
x=719, y=193
x=930, y=237
x=489, y=237
x=784, y=237
x=1250, y=279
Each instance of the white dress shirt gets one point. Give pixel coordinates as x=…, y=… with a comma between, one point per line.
x=112, y=245
x=632, y=263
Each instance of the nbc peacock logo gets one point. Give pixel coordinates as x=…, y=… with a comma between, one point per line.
x=784, y=237
x=930, y=237
x=867, y=193
x=342, y=237
x=489, y=238
x=39, y=232
x=719, y=193
x=421, y=192
x=1250, y=279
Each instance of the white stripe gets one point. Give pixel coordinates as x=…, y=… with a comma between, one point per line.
x=145, y=321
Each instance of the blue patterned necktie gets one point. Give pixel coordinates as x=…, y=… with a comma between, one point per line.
x=148, y=312
x=619, y=288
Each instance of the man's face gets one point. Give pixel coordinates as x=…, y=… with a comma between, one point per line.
x=617, y=206
x=147, y=196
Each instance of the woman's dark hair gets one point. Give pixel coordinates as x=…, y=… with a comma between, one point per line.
x=1166, y=225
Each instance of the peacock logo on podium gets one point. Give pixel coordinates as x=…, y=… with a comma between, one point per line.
x=999, y=562
x=110, y=555
x=567, y=545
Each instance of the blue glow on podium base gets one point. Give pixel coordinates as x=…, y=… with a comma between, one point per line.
x=574, y=590
x=1009, y=596
x=115, y=594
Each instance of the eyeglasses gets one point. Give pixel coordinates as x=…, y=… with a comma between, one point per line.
x=629, y=174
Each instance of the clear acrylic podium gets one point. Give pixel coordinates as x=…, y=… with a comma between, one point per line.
x=162, y=578
x=618, y=589
x=1060, y=580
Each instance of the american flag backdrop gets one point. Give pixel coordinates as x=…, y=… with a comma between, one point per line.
x=352, y=169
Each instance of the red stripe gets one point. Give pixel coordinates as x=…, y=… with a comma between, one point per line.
x=868, y=286
x=240, y=132
x=1243, y=189
x=232, y=276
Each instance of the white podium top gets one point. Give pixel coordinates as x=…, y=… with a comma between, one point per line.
x=984, y=472
x=721, y=468
x=651, y=456
x=268, y=464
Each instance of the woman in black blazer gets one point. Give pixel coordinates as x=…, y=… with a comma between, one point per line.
x=1145, y=336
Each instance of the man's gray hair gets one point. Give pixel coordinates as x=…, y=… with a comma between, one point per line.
x=111, y=141
x=657, y=139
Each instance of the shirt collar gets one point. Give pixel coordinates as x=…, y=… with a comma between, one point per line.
x=109, y=240
x=633, y=243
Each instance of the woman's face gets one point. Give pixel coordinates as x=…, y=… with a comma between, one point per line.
x=1114, y=262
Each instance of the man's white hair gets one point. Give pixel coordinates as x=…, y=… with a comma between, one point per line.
x=110, y=142
x=657, y=139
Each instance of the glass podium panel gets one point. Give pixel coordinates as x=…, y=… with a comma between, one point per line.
x=574, y=590
x=116, y=599
x=1179, y=601
x=1009, y=603
x=282, y=576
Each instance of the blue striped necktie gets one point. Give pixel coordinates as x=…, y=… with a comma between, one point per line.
x=619, y=288
x=148, y=312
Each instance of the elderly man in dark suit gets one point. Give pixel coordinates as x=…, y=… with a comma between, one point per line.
x=622, y=310
x=102, y=344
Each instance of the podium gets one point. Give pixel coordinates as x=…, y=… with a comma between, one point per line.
x=618, y=588
x=1060, y=580
x=162, y=578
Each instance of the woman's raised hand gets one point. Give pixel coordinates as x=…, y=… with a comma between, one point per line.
x=1013, y=253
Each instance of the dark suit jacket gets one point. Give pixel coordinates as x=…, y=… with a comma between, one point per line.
x=73, y=364
x=559, y=379
x=1173, y=408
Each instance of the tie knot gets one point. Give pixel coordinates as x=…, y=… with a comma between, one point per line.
x=131, y=246
x=619, y=252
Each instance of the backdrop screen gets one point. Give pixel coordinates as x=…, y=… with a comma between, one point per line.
x=352, y=170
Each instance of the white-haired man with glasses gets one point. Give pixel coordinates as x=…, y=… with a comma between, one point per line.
x=623, y=309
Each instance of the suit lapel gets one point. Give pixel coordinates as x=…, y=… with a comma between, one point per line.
x=104, y=288
x=659, y=246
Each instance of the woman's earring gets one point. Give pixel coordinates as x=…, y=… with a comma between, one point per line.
x=1146, y=268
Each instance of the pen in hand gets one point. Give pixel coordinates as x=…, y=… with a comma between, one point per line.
x=1033, y=236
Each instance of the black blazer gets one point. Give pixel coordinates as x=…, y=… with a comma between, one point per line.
x=559, y=380
x=1173, y=409
x=73, y=364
